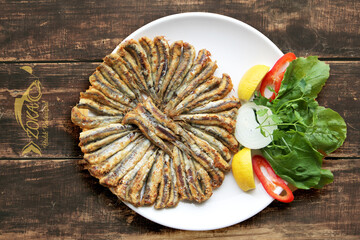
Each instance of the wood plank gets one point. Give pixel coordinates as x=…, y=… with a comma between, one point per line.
x=62, y=83
x=78, y=30
x=56, y=199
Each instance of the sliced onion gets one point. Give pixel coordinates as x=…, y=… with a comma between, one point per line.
x=247, y=130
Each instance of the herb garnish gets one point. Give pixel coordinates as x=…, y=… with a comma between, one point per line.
x=305, y=129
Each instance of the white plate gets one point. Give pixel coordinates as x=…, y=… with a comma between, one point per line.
x=236, y=47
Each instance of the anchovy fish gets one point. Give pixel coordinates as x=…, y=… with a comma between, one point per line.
x=112, y=77
x=94, y=94
x=181, y=180
x=208, y=119
x=163, y=50
x=119, y=65
x=88, y=122
x=112, y=157
x=175, y=55
x=98, y=108
x=104, y=153
x=217, y=106
x=133, y=118
x=128, y=163
x=218, y=145
x=165, y=185
x=186, y=61
x=217, y=93
x=204, y=87
x=100, y=83
x=155, y=178
x=221, y=134
x=123, y=189
x=140, y=179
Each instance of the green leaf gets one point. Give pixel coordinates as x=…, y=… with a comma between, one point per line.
x=261, y=112
x=326, y=178
x=303, y=77
x=276, y=119
x=328, y=132
x=294, y=159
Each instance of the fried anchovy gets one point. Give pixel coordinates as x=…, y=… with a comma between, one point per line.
x=163, y=50
x=139, y=54
x=181, y=181
x=208, y=71
x=183, y=68
x=128, y=163
x=199, y=91
x=200, y=156
x=112, y=77
x=119, y=65
x=217, y=106
x=217, y=159
x=216, y=94
x=221, y=134
x=132, y=66
x=154, y=180
x=175, y=55
x=156, y=127
x=104, y=153
x=208, y=119
x=165, y=185
x=174, y=190
x=100, y=167
x=133, y=118
x=232, y=113
x=193, y=182
x=202, y=59
x=94, y=94
x=199, y=79
x=93, y=146
x=88, y=122
x=98, y=108
x=100, y=83
x=152, y=56
x=205, y=181
x=123, y=189
x=99, y=133
x=218, y=145
x=160, y=116
x=140, y=179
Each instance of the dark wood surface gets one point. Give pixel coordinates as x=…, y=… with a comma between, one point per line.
x=50, y=196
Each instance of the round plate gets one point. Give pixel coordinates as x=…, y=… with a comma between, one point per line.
x=236, y=47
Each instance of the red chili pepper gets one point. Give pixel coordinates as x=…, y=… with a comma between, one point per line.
x=274, y=181
x=276, y=74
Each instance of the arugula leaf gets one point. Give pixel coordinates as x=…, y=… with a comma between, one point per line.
x=303, y=77
x=294, y=159
x=328, y=132
x=325, y=178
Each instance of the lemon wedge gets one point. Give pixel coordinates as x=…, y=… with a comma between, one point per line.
x=242, y=169
x=251, y=80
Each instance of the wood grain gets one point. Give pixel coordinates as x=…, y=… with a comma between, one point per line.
x=85, y=30
x=48, y=199
x=51, y=197
x=62, y=83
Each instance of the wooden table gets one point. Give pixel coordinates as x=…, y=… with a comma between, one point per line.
x=48, y=196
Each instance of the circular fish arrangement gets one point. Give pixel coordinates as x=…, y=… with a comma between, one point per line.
x=157, y=124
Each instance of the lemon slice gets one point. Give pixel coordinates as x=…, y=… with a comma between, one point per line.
x=242, y=169
x=251, y=80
